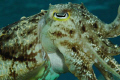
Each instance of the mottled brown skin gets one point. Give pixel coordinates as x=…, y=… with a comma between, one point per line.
x=81, y=39
x=17, y=48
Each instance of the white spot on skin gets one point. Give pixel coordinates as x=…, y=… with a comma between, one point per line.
x=106, y=60
x=38, y=58
x=89, y=74
x=72, y=53
x=23, y=17
x=96, y=60
x=90, y=56
x=28, y=52
x=37, y=48
x=79, y=62
x=85, y=50
x=115, y=46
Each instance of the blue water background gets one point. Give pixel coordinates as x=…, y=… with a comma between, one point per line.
x=13, y=10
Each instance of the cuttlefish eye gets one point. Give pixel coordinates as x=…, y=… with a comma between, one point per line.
x=61, y=16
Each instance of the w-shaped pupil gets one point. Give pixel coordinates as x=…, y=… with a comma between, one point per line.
x=60, y=14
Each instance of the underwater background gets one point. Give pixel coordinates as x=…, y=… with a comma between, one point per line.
x=12, y=10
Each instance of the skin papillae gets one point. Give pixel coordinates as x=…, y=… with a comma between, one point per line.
x=66, y=29
x=21, y=54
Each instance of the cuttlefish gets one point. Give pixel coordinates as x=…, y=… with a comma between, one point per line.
x=64, y=38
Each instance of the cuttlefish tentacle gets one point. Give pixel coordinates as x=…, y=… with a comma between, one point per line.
x=106, y=74
x=105, y=46
x=77, y=62
x=74, y=53
x=108, y=48
x=74, y=59
x=102, y=60
x=112, y=63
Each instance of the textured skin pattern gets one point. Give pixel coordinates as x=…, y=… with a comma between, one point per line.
x=81, y=39
x=20, y=51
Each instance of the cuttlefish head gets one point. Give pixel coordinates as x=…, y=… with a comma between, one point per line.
x=58, y=24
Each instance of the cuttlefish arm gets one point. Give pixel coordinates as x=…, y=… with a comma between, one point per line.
x=110, y=30
x=80, y=56
x=106, y=74
x=113, y=29
x=103, y=45
x=80, y=63
x=21, y=54
x=102, y=31
x=77, y=62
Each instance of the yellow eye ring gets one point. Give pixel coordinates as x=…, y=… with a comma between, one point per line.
x=61, y=16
